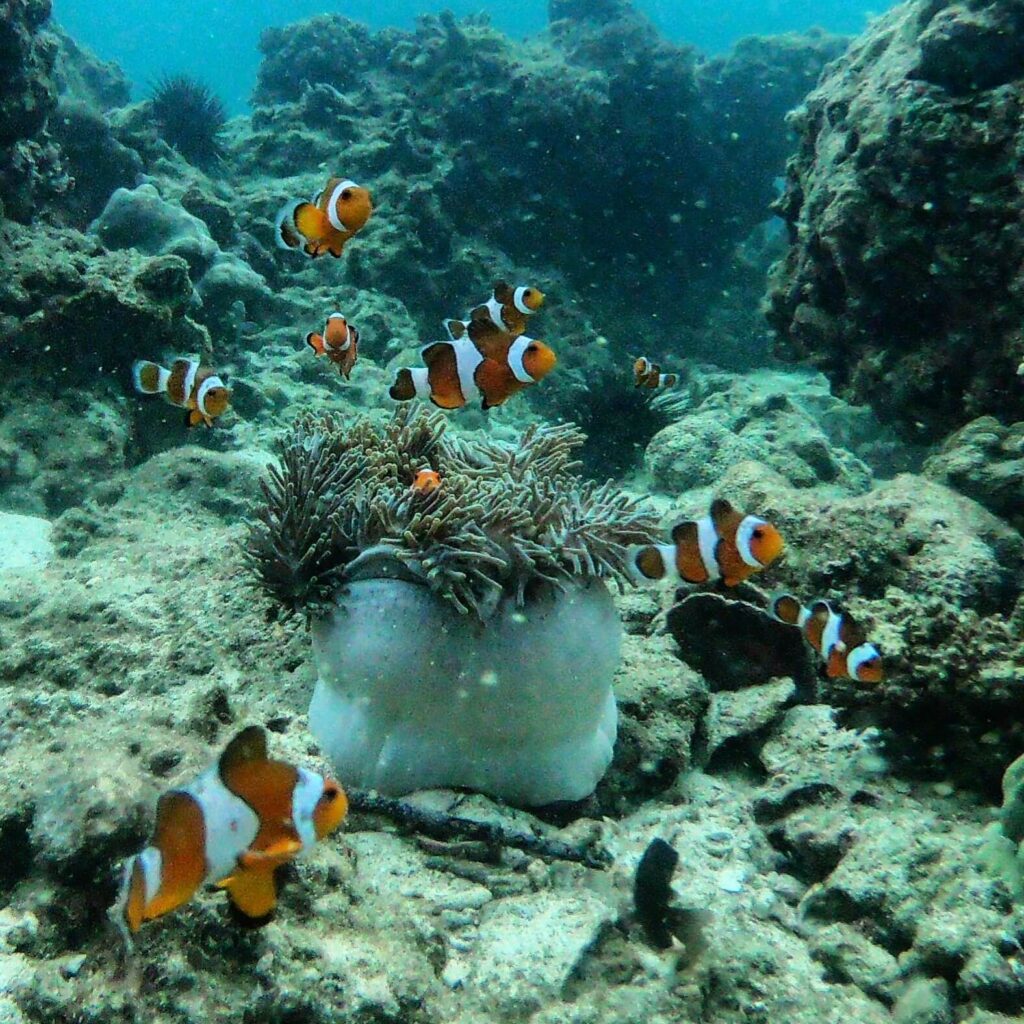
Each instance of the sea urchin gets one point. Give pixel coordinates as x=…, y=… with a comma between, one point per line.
x=190, y=117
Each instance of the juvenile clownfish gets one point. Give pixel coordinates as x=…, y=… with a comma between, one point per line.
x=725, y=545
x=326, y=222
x=233, y=826
x=839, y=641
x=507, y=311
x=339, y=342
x=456, y=373
x=426, y=481
x=648, y=375
x=187, y=385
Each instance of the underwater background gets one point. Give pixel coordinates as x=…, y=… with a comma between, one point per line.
x=512, y=513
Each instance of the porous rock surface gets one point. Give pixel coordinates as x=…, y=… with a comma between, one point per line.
x=903, y=277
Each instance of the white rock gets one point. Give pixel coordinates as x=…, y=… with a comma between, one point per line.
x=527, y=947
x=24, y=542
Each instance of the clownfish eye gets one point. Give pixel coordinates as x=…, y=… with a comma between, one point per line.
x=758, y=533
x=528, y=293
x=531, y=348
x=346, y=193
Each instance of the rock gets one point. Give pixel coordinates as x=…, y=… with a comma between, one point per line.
x=97, y=162
x=849, y=956
x=755, y=417
x=924, y=1001
x=661, y=703
x=740, y=715
x=140, y=219
x=526, y=948
x=985, y=461
x=25, y=543
x=735, y=644
x=901, y=213
x=29, y=162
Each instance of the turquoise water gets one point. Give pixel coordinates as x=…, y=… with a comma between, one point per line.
x=217, y=41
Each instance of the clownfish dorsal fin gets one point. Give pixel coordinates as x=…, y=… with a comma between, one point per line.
x=851, y=633
x=684, y=533
x=455, y=328
x=503, y=292
x=723, y=515
x=248, y=746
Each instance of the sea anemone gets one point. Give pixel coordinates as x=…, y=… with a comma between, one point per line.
x=462, y=637
x=190, y=117
x=504, y=519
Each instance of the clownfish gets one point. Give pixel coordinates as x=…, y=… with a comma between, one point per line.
x=426, y=481
x=506, y=311
x=648, y=375
x=339, y=342
x=187, y=385
x=233, y=826
x=456, y=373
x=725, y=545
x=326, y=222
x=838, y=639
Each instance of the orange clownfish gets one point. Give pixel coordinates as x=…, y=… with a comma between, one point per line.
x=648, y=375
x=233, y=826
x=456, y=372
x=506, y=311
x=339, y=342
x=326, y=222
x=725, y=545
x=426, y=481
x=187, y=385
x=839, y=640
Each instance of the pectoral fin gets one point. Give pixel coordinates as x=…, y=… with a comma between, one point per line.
x=253, y=894
x=284, y=850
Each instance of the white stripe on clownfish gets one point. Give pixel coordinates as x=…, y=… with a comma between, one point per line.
x=830, y=634
x=309, y=787
x=744, y=534
x=494, y=310
x=518, y=300
x=516, y=352
x=189, y=382
x=231, y=824
x=707, y=542
x=467, y=359
x=420, y=376
x=204, y=390
x=151, y=864
x=858, y=656
x=332, y=205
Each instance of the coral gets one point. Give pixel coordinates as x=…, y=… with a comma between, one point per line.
x=936, y=580
x=505, y=518
x=190, y=117
x=902, y=281
x=718, y=420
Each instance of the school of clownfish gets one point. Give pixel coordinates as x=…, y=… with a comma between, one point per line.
x=248, y=814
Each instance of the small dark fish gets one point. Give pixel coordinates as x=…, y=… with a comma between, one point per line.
x=652, y=890
x=652, y=893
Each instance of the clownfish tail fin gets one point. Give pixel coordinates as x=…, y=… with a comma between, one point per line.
x=286, y=235
x=149, y=378
x=404, y=388
x=785, y=608
x=316, y=342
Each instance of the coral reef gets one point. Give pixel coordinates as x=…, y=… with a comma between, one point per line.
x=902, y=279
x=504, y=519
x=29, y=161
